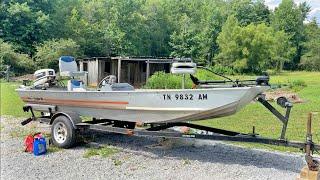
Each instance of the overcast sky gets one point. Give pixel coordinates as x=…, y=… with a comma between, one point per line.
x=315, y=7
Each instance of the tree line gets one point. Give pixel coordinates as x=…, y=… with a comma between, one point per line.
x=244, y=35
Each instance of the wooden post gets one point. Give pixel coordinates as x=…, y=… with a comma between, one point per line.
x=97, y=70
x=148, y=71
x=119, y=70
x=81, y=65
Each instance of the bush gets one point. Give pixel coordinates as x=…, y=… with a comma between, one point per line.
x=223, y=69
x=310, y=63
x=20, y=63
x=161, y=80
x=48, y=53
x=297, y=85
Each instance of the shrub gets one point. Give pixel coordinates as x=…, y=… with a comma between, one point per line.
x=48, y=53
x=20, y=63
x=161, y=80
x=297, y=85
x=223, y=69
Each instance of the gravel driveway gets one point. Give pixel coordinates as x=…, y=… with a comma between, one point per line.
x=142, y=158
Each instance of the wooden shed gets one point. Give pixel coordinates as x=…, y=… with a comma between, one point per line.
x=133, y=70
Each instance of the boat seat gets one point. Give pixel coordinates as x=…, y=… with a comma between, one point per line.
x=75, y=85
x=117, y=87
x=122, y=87
x=68, y=67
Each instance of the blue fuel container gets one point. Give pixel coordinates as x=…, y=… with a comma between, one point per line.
x=39, y=146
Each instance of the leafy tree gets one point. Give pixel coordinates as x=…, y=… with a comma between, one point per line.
x=181, y=28
x=49, y=51
x=311, y=48
x=248, y=11
x=185, y=43
x=23, y=27
x=20, y=63
x=252, y=48
x=282, y=51
x=305, y=9
x=214, y=14
x=289, y=18
x=86, y=27
x=196, y=28
x=155, y=29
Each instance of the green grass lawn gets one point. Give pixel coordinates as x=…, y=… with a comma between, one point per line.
x=10, y=103
x=252, y=115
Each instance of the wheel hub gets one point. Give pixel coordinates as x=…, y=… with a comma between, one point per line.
x=60, y=132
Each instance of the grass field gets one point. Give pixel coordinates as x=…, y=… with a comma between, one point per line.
x=10, y=103
x=252, y=115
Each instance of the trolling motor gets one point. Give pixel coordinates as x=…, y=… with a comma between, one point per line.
x=259, y=81
x=263, y=80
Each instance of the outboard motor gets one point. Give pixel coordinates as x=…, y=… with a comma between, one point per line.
x=44, y=78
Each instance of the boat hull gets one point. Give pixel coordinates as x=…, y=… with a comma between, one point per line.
x=147, y=106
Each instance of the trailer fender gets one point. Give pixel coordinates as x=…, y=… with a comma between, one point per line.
x=73, y=117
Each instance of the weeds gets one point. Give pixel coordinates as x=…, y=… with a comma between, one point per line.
x=297, y=85
x=19, y=132
x=186, y=162
x=104, y=152
x=117, y=162
x=53, y=149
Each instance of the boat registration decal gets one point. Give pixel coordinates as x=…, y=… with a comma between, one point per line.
x=189, y=97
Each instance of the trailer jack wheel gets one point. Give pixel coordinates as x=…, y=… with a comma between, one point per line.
x=63, y=133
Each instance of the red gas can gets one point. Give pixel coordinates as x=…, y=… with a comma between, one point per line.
x=28, y=143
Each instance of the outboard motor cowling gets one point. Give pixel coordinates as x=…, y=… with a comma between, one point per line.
x=44, y=78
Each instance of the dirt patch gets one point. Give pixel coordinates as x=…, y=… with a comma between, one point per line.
x=23, y=77
x=292, y=97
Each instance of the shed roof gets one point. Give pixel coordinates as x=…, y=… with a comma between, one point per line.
x=143, y=58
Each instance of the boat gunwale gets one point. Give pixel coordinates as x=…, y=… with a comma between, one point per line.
x=142, y=90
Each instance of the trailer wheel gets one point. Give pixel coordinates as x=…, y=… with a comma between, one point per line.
x=63, y=133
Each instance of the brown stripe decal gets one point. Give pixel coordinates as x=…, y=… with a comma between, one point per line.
x=78, y=103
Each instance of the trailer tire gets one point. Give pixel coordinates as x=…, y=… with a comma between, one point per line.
x=63, y=133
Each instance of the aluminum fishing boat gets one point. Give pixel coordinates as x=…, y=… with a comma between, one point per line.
x=121, y=102
x=119, y=108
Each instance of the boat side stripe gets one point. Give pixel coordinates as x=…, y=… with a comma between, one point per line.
x=86, y=105
x=164, y=109
x=48, y=100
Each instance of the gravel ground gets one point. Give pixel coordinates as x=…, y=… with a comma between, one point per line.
x=143, y=158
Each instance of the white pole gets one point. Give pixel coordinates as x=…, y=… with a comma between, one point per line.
x=183, y=80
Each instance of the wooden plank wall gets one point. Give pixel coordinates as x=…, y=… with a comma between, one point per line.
x=93, y=73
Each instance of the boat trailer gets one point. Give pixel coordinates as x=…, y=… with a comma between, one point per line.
x=165, y=129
